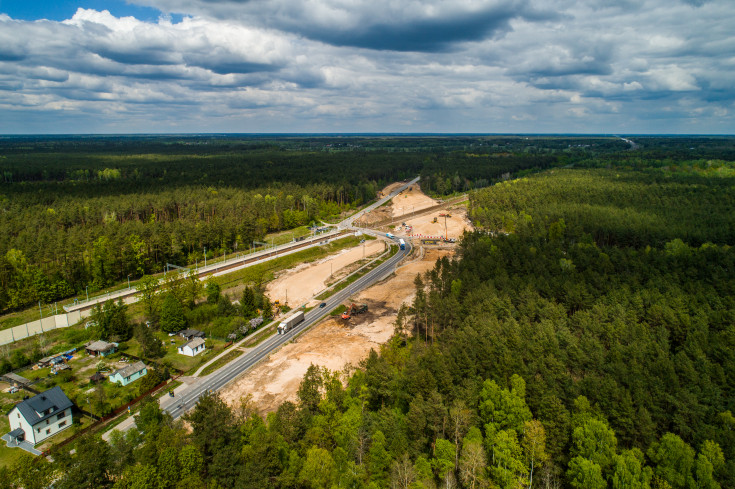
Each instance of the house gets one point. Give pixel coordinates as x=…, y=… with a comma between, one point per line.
x=189, y=334
x=193, y=347
x=40, y=417
x=129, y=374
x=100, y=348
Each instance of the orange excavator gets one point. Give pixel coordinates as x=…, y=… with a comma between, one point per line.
x=354, y=310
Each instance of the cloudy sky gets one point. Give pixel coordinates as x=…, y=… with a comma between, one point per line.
x=483, y=66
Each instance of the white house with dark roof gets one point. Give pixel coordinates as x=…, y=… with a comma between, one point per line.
x=193, y=347
x=41, y=416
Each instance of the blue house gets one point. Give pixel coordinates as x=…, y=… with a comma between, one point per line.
x=129, y=374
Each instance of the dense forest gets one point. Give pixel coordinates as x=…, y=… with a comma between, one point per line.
x=81, y=212
x=86, y=212
x=582, y=337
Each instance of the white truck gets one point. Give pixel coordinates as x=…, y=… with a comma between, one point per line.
x=291, y=321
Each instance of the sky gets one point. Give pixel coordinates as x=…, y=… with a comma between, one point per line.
x=361, y=66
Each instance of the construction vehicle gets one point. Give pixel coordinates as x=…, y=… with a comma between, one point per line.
x=291, y=321
x=354, y=310
x=445, y=215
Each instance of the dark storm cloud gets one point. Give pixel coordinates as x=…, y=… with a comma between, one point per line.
x=428, y=26
x=429, y=35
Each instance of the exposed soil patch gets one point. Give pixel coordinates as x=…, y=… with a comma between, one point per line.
x=425, y=225
x=308, y=279
x=334, y=343
x=411, y=200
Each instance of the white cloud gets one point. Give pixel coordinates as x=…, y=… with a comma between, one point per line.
x=339, y=65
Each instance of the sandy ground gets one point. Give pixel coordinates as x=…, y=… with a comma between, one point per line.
x=411, y=200
x=390, y=188
x=335, y=344
x=304, y=281
x=423, y=225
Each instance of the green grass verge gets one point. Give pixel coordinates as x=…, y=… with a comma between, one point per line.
x=7, y=455
x=340, y=309
x=267, y=333
x=220, y=362
x=350, y=279
x=264, y=272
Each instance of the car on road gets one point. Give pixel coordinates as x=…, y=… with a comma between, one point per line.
x=323, y=304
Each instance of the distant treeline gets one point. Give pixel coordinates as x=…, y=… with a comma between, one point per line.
x=79, y=212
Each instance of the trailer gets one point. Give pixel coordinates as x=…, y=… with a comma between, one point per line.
x=402, y=244
x=291, y=321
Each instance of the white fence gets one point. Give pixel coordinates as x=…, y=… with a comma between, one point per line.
x=44, y=325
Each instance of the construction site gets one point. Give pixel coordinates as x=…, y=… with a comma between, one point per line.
x=340, y=342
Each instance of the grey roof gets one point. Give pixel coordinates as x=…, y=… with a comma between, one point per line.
x=193, y=343
x=188, y=333
x=100, y=345
x=17, y=432
x=130, y=369
x=32, y=409
x=17, y=378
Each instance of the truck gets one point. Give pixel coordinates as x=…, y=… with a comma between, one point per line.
x=389, y=236
x=291, y=321
x=402, y=243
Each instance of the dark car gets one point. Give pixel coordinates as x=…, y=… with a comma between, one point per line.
x=323, y=304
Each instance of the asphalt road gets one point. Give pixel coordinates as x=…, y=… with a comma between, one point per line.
x=187, y=398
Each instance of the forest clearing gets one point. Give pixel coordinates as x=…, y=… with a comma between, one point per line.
x=334, y=343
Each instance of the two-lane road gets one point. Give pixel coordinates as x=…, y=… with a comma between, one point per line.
x=187, y=398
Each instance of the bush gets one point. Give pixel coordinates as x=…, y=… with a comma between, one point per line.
x=5, y=366
x=18, y=359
